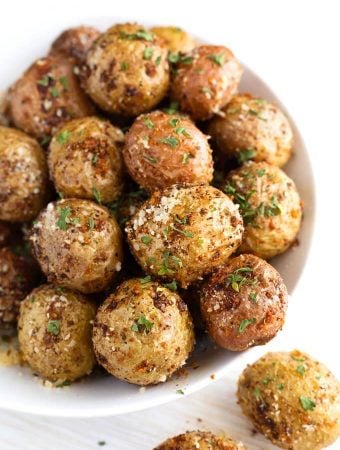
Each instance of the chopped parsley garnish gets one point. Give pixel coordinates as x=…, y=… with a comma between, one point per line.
x=44, y=81
x=124, y=66
x=280, y=386
x=253, y=297
x=245, y=154
x=158, y=60
x=148, y=52
x=180, y=391
x=170, y=140
x=257, y=114
x=64, y=82
x=174, y=121
x=174, y=58
x=217, y=59
x=45, y=140
x=63, y=137
x=140, y=34
x=96, y=195
x=101, y=443
x=257, y=393
x=148, y=122
x=207, y=90
x=186, y=157
x=151, y=159
x=183, y=232
x=273, y=209
x=91, y=223
x=301, y=369
x=245, y=323
x=94, y=159
x=55, y=92
x=298, y=359
x=172, y=109
x=146, y=239
x=53, y=327
x=236, y=280
x=266, y=381
x=183, y=221
x=142, y=325
x=172, y=286
x=64, y=217
x=261, y=172
x=187, y=59
x=145, y=280
x=183, y=130
x=307, y=403
x=167, y=257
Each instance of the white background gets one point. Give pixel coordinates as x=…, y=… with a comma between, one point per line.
x=294, y=46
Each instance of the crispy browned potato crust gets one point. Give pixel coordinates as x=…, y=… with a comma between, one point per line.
x=46, y=96
x=127, y=72
x=78, y=245
x=85, y=159
x=244, y=303
x=205, y=80
x=176, y=39
x=292, y=399
x=183, y=233
x=161, y=150
x=203, y=440
x=23, y=176
x=55, y=326
x=143, y=332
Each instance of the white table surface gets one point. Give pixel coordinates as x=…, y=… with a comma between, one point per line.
x=294, y=46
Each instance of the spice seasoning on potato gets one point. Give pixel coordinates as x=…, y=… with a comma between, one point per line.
x=202, y=440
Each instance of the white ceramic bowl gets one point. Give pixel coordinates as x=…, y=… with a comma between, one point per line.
x=101, y=396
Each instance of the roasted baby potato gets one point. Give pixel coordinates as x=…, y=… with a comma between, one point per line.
x=252, y=129
x=78, y=244
x=126, y=71
x=47, y=95
x=143, y=332
x=85, y=160
x=176, y=39
x=183, y=233
x=55, y=326
x=205, y=80
x=23, y=176
x=270, y=206
x=161, y=150
x=244, y=303
x=202, y=440
x=292, y=399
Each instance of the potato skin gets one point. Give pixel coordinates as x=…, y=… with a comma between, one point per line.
x=18, y=276
x=23, y=176
x=176, y=40
x=85, y=159
x=55, y=326
x=161, y=150
x=252, y=128
x=47, y=95
x=126, y=74
x=75, y=42
x=203, y=440
x=270, y=205
x=78, y=244
x=271, y=392
x=187, y=232
x=136, y=353
x=247, y=312
x=205, y=81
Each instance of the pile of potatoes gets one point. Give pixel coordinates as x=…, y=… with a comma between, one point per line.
x=114, y=224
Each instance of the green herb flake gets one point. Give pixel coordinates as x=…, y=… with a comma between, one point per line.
x=124, y=66
x=301, y=369
x=63, y=384
x=101, y=443
x=257, y=393
x=63, y=137
x=148, y=52
x=245, y=154
x=91, y=223
x=158, y=60
x=188, y=234
x=142, y=325
x=55, y=92
x=261, y=172
x=307, y=403
x=145, y=280
x=94, y=159
x=174, y=58
x=53, y=327
x=186, y=158
x=172, y=109
x=217, y=59
x=266, y=381
x=257, y=114
x=146, y=239
x=180, y=392
x=148, y=122
x=64, y=218
x=141, y=34
x=245, y=323
x=236, y=280
x=96, y=195
x=206, y=90
x=45, y=140
x=170, y=140
x=150, y=159
x=280, y=386
x=253, y=297
x=174, y=122
x=273, y=209
x=184, y=131
x=44, y=81
x=172, y=286
x=298, y=359
x=64, y=82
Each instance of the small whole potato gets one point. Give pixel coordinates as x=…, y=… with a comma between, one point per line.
x=161, y=150
x=78, y=244
x=202, y=440
x=143, y=332
x=205, y=80
x=19, y=274
x=244, y=303
x=270, y=206
x=126, y=71
x=75, y=42
x=23, y=176
x=252, y=128
x=292, y=399
x=85, y=160
x=47, y=95
x=176, y=39
x=54, y=331
x=183, y=233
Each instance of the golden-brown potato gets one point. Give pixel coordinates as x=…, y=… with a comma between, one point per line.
x=270, y=205
x=55, y=326
x=143, y=332
x=205, y=80
x=23, y=176
x=244, y=303
x=202, y=440
x=78, y=244
x=183, y=233
x=127, y=71
x=85, y=160
x=252, y=128
x=292, y=399
x=47, y=95
x=161, y=150
x=4, y=108
x=18, y=276
x=75, y=42
x=176, y=39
